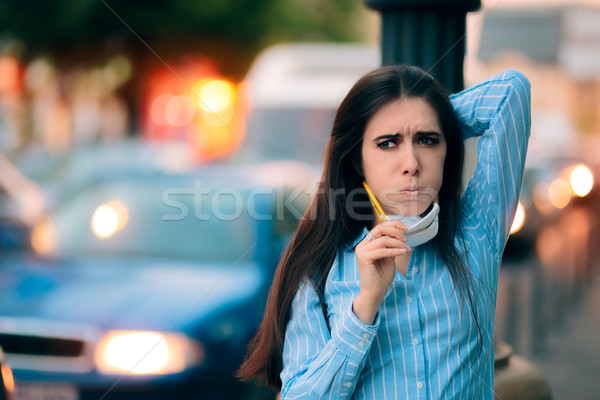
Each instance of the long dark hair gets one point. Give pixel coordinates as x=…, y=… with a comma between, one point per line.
x=327, y=225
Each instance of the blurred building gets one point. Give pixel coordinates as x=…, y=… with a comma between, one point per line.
x=558, y=48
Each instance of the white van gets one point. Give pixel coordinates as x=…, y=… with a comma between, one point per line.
x=295, y=90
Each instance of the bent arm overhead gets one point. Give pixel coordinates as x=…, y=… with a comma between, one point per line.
x=498, y=110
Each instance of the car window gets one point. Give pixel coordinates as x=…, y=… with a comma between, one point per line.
x=146, y=219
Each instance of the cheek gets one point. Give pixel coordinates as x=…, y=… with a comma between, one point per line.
x=367, y=162
x=439, y=170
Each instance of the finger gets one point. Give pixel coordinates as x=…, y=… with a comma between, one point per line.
x=398, y=224
x=387, y=241
x=374, y=254
x=379, y=254
x=388, y=252
x=388, y=230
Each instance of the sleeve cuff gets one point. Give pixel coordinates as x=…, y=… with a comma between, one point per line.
x=353, y=337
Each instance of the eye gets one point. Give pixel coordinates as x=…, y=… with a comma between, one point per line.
x=428, y=140
x=387, y=144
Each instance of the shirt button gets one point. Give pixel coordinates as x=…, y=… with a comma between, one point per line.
x=415, y=270
x=361, y=344
x=409, y=299
x=415, y=342
x=420, y=385
x=366, y=336
x=348, y=384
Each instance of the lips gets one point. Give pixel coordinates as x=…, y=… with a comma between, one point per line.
x=411, y=191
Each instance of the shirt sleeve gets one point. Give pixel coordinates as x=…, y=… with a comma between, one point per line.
x=317, y=364
x=498, y=110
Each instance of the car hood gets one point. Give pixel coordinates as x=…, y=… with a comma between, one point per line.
x=124, y=293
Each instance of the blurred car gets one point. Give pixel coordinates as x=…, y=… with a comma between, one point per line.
x=145, y=285
x=60, y=174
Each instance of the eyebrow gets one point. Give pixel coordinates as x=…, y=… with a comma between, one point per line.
x=397, y=135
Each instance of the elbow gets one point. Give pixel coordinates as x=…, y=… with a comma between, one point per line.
x=519, y=81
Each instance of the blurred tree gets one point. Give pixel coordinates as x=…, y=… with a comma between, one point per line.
x=229, y=31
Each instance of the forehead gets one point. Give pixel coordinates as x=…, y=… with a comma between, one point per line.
x=404, y=116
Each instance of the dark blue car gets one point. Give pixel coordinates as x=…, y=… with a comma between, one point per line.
x=147, y=285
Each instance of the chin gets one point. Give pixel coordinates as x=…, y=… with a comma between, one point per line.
x=412, y=207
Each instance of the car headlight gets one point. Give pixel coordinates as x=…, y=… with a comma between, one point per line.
x=142, y=352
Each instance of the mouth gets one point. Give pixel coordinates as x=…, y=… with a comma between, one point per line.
x=411, y=191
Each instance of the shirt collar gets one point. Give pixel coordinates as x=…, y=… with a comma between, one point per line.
x=352, y=245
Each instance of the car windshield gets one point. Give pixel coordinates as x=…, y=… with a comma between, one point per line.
x=290, y=133
x=149, y=219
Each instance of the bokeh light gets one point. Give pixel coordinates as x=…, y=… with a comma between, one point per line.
x=137, y=352
x=559, y=193
x=43, y=236
x=179, y=110
x=214, y=95
x=541, y=199
x=109, y=218
x=157, y=110
x=518, y=220
x=581, y=180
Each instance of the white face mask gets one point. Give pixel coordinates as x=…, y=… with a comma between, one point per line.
x=420, y=229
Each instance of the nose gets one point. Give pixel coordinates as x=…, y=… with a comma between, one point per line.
x=409, y=161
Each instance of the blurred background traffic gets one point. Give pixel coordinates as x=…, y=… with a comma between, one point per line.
x=155, y=159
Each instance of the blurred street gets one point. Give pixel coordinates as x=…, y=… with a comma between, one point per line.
x=572, y=361
x=155, y=161
x=550, y=314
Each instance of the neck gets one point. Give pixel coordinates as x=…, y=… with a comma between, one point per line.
x=402, y=263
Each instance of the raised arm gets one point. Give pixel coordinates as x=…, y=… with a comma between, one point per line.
x=317, y=364
x=498, y=110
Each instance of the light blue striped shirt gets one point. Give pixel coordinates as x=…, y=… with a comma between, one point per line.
x=423, y=342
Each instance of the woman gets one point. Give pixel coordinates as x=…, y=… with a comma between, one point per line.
x=358, y=311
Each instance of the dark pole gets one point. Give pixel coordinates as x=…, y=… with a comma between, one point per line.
x=426, y=33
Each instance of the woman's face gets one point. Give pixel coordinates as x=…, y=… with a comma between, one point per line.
x=403, y=153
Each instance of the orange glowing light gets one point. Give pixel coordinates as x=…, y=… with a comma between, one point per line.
x=8, y=379
x=541, y=200
x=9, y=74
x=218, y=118
x=157, y=110
x=43, y=237
x=210, y=115
x=214, y=95
x=180, y=110
x=559, y=193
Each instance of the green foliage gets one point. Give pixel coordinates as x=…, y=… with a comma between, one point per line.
x=86, y=26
